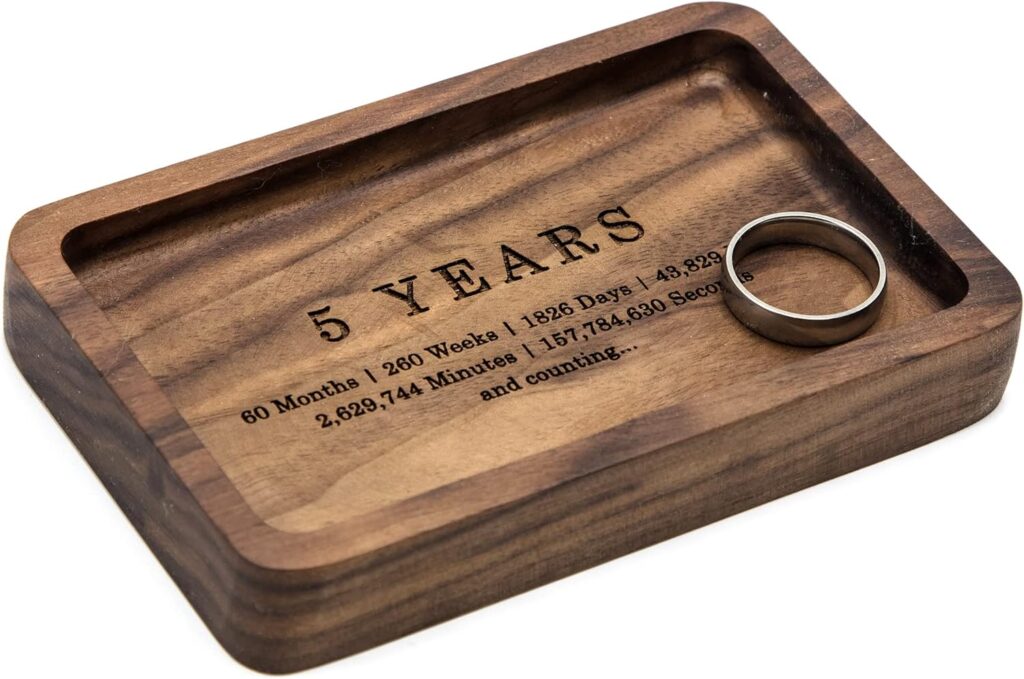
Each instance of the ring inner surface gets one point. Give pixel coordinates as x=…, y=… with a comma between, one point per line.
x=819, y=234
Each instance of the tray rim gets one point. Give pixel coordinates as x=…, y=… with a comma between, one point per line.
x=35, y=249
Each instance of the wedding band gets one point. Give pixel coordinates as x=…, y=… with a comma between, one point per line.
x=803, y=228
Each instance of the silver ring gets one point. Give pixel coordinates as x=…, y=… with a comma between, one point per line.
x=803, y=228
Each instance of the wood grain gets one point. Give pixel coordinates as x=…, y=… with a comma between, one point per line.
x=152, y=314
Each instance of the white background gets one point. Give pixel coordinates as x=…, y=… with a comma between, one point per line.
x=913, y=567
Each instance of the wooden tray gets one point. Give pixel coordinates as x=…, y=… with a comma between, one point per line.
x=323, y=463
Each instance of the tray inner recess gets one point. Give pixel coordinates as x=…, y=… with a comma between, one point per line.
x=691, y=138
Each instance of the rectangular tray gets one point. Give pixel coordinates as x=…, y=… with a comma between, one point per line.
x=322, y=465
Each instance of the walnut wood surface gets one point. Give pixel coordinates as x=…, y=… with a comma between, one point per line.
x=151, y=314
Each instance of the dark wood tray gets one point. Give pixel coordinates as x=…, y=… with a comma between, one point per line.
x=322, y=465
